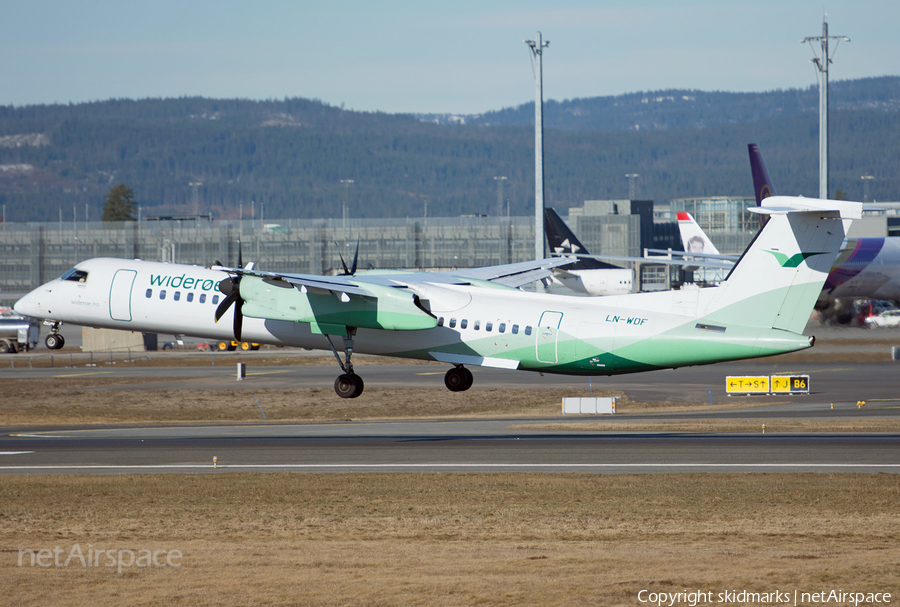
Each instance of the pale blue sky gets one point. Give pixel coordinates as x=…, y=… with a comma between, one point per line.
x=420, y=56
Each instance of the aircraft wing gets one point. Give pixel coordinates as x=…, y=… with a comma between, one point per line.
x=515, y=274
x=317, y=284
x=692, y=255
x=661, y=260
x=510, y=275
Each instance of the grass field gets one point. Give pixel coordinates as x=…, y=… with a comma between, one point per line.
x=429, y=539
x=435, y=539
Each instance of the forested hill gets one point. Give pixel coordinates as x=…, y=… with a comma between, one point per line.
x=290, y=156
x=686, y=109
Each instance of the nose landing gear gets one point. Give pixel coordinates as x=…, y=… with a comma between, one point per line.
x=54, y=341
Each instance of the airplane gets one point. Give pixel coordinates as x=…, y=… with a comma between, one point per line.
x=587, y=274
x=475, y=317
x=866, y=268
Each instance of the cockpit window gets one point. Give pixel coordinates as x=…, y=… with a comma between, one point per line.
x=75, y=275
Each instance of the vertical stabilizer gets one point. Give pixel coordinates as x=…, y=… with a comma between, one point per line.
x=563, y=241
x=762, y=183
x=778, y=278
x=693, y=238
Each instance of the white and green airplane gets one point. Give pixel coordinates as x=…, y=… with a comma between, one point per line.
x=474, y=317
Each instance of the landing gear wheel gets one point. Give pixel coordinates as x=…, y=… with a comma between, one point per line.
x=348, y=385
x=458, y=379
x=54, y=341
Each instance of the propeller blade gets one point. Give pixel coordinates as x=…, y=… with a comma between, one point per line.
x=355, y=258
x=228, y=287
x=238, y=318
x=223, y=307
x=344, y=263
x=240, y=255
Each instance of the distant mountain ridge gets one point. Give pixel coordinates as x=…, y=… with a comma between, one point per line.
x=687, y=109
x=294, y=157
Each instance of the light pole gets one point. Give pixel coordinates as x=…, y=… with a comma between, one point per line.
x=499, y=179
x=346, y=183
x=631, y=179
x=537, y=52
x=822, y=62
x=866, y=179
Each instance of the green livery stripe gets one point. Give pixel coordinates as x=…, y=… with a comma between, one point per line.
x=791, y=262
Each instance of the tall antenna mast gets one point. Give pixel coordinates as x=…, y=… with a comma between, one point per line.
x=822, y=62
x=537, y=52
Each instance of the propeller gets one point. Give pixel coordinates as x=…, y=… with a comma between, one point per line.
x=352, y=269
x=230, y=287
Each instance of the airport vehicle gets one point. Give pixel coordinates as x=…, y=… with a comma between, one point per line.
x=888, y=318
x=230, y=345
x=587, y=274
x=475, y=317
x=18, y=333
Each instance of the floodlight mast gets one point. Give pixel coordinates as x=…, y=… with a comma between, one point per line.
x=537, y=52
x=822, y=62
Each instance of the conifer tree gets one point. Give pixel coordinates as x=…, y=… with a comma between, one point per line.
x=119, y=204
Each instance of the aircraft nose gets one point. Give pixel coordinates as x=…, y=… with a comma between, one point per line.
x=30, y=305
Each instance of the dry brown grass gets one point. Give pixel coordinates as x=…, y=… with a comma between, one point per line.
x=85, y=401
x=402, y=539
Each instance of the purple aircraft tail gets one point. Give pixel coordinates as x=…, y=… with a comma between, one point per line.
x=762, y=183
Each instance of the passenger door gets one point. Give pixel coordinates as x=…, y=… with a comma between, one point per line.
x=120, y=295
x=547, y=335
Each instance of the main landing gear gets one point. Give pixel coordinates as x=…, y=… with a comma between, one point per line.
x=54, y=341
x=458, y=379
x=348, y=385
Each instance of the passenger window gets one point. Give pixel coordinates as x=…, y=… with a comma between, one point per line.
x=515, y=329
x=190, y=297
x=441, y=321
x=149, y=293
x=203, y=298
x=162, y=294
x=75, y=275
x=502, y=327
x=452, y=323
x=477, y=325
x=488, y=326
x=215, y=299
x=463, y=323
x=528, y=330
x=177, y=295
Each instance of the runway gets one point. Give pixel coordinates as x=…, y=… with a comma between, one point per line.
x=444, y=446
x=477, y=445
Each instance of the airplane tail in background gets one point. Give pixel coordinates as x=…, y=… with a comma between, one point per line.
x=762, y=183
x=778, y=278
x=693, y=239
x=562, y=240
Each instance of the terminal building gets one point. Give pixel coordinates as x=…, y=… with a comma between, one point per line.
x=33, y=253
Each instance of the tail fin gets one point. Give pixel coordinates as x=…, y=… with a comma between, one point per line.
x=778, y=278
x=762, y=183
x=562, y=240
x=693, y=238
